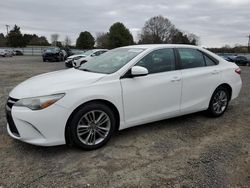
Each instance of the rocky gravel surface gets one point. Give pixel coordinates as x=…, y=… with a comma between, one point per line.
x=188, y=151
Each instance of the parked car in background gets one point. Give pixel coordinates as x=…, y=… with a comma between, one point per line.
x=65, y=54
x=225, y=57
x=122, y=88
x=18, y=52
x=232, y=58
x=69, y=52
x=70, y=59
x=12, y=52
x=53, y=54
x=87, y=56
x=229, y=58
x=241, y=60
x=5, y=53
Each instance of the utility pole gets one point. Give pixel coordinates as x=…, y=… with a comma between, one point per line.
x=7, y=28
x=249, y=44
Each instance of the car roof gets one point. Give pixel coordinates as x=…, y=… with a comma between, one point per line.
x=152, y=46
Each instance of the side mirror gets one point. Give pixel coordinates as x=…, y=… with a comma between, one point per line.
x=138, y=71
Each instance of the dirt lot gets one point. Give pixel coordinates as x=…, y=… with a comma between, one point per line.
x=189, y=151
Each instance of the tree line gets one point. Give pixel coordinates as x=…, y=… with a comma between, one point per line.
x=16, y=39
x=228, y=49
x=157, y=30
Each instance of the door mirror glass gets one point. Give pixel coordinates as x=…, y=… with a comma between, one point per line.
x=139, y=71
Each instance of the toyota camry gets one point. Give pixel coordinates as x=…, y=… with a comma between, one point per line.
x=124, y=87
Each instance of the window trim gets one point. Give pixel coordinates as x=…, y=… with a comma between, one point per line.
x=127, y=74
x=216, y=62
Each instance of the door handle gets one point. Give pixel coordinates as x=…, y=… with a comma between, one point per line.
x=176, y=79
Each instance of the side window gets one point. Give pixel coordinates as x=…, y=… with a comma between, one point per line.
x=191, y=58
x=161, y=60
x=209, y=62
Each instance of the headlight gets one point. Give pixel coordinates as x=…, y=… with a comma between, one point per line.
x=39, y=103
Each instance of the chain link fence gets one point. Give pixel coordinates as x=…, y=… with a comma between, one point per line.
x=33, y=50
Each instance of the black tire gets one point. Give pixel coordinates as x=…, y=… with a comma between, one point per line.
x=73, y=125
x=211, y=111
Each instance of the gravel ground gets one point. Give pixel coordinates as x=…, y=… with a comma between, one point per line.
x=188, y=151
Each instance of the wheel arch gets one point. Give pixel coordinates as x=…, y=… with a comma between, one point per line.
x=106, y=102
x=228, y=87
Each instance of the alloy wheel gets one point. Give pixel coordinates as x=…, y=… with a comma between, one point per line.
x=93, y=127
x=220, y=101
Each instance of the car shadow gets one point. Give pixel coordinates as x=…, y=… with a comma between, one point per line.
x=167, y=124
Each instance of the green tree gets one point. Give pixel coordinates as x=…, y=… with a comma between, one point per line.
x=180, y=38
x=15, y=37
x=119, y=36
x=27, y=38
x=85, y=40
x=194, y=40
x=38, y=41
x=102, y=40
x=33, y=39
x=2, y=40
x=158, y=30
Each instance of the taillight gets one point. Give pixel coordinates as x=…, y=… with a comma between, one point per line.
x=238, y=71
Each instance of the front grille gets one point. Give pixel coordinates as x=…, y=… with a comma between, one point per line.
x=12, y=126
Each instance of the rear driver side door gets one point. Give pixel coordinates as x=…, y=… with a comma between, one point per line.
x=200, y=77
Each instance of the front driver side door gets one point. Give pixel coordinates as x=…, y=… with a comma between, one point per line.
x=155, y=96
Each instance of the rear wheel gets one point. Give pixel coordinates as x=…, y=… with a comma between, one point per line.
x=92, y=126
x=219, y=102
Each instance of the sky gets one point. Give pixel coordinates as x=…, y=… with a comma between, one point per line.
x=216, y=22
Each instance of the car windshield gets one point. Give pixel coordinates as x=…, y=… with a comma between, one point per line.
x=111, y=61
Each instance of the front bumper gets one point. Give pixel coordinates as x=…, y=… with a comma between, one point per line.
x=43, y=127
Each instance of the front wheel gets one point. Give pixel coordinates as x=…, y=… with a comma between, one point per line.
x=92, y=126
x=219, y=102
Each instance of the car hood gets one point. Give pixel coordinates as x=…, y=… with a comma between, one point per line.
x=73, y=56
x=54, y=82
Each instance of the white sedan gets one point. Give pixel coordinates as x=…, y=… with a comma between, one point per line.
x=69, y=61
x=124, y=87
x=87, y=56
x=5, y=53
